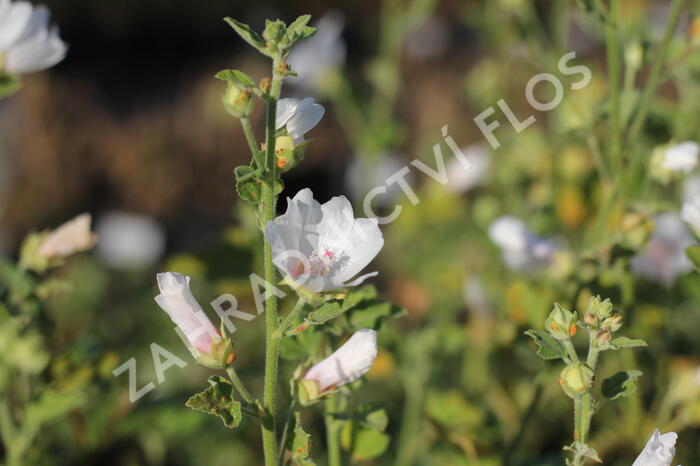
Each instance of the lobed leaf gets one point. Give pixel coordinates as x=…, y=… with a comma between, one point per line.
x=218, y=400
x=247, y=34
x=548, y=347
x=622, y=384
x=625, y=342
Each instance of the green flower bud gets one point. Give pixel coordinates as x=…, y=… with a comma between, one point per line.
x=601, y=309
x=614, y=322
x=221, y=354
x=576, y=379
x=634, y=54
x=561, y=324
x=238, y=101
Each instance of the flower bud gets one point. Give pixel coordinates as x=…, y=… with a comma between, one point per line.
x=614, y=322
x=590, y=319
x=576, y=379
x=561, y=324
x=205, y=343
x=603, y=337
x=659, y=450
x=601, y=309
x=237, y=100
x=347, y=364
x=71, y=237
x=634, y=54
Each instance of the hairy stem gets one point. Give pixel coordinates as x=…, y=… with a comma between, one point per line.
x=238, y=383
x=269, y=199
x=332, y=432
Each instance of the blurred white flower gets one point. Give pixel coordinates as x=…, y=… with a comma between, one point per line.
x=664, y=258
x=27, y=44
x=460, y=178
x=691, y=187
x=176, y=300
x=348, y=363
x=71, y=237
x=521, y=249
x=682, y=157
x=299, y=116
x=129, y=240
x=363, y=174
x=313, y=58
x=322, y=247
x=658, y=451
x=690, y=213
x=475, y=297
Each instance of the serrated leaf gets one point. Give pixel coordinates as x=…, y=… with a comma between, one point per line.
x=584, y=450
x=625, y=342
x=622, y=384
x=239, y=78
x=301, y=444
x=247, y=34
x=693, y=253
x=218, y=400
x=547, y=346
x=247, y=184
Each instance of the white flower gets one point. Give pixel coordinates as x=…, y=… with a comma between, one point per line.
x=460, y=178
x=129, y=240
x=299, y=116
x=349, y=362
x=664, y=258
x=682, y=157
x=691, y=187
x=176, y=300
x=521, y=249
x=71, y=237
x=658, y=451
x=26, y=41
x=322, y=247
x=690, y=213
x=314, y=57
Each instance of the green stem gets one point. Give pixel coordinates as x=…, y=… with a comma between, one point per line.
x=570, y=350
x=332, y=432
x=238, y=383
x=269, y=199
x=657, y=68
x=250, y=137
x=293, y=314
x=612, y=47
x=285, y=431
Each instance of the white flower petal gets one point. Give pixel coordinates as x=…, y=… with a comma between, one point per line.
x=285, y=111
x=71, y=237
x=38, y=52
x=14, y=18
x=682, y=157
x=307, y=115
x=348, y=363
x=659, y=450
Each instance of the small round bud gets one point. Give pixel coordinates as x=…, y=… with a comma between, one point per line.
x=603, y=337
x=238, y=102
x=576, y=379
x=614, y=322
x=265, y=84
x=601, y=309
x=560, y=323
x=634, y=54
x=590, y=319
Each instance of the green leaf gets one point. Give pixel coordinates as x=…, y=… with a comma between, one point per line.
x=218, y=401
x=300, y=346
x=327, y=311
x=301, y=444
x=547, y=346
x=247, y=184
x=248, y=35
x=624, y=342
x=239, y=78
x=50, y=406
x=693, y=253
x=621, y=384
x=585, y=451
x=366, y=293
x=364, y=443
x=295, y=32
x=372, y=313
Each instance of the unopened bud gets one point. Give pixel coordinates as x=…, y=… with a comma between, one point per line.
x=603, y=337
x=601, y=309
x=265, y=84
x=238, y=102
x=614, y=322
x=560, y=323
x=634, y=54
x=590, y=319
x=576, y=379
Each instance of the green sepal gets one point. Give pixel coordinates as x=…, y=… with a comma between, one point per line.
x=547, y=346
x=622, y=384
x=309, y=392
x=218, y=400
x=300, y=444
x=238, y=98
x=248, y=184
x=576, y=379
x=296, y=31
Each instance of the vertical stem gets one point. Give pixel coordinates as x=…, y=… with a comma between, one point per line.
x=614, y=79
x=332, y=433
x=285, y=431
x=269, y=199
x=250, y=137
